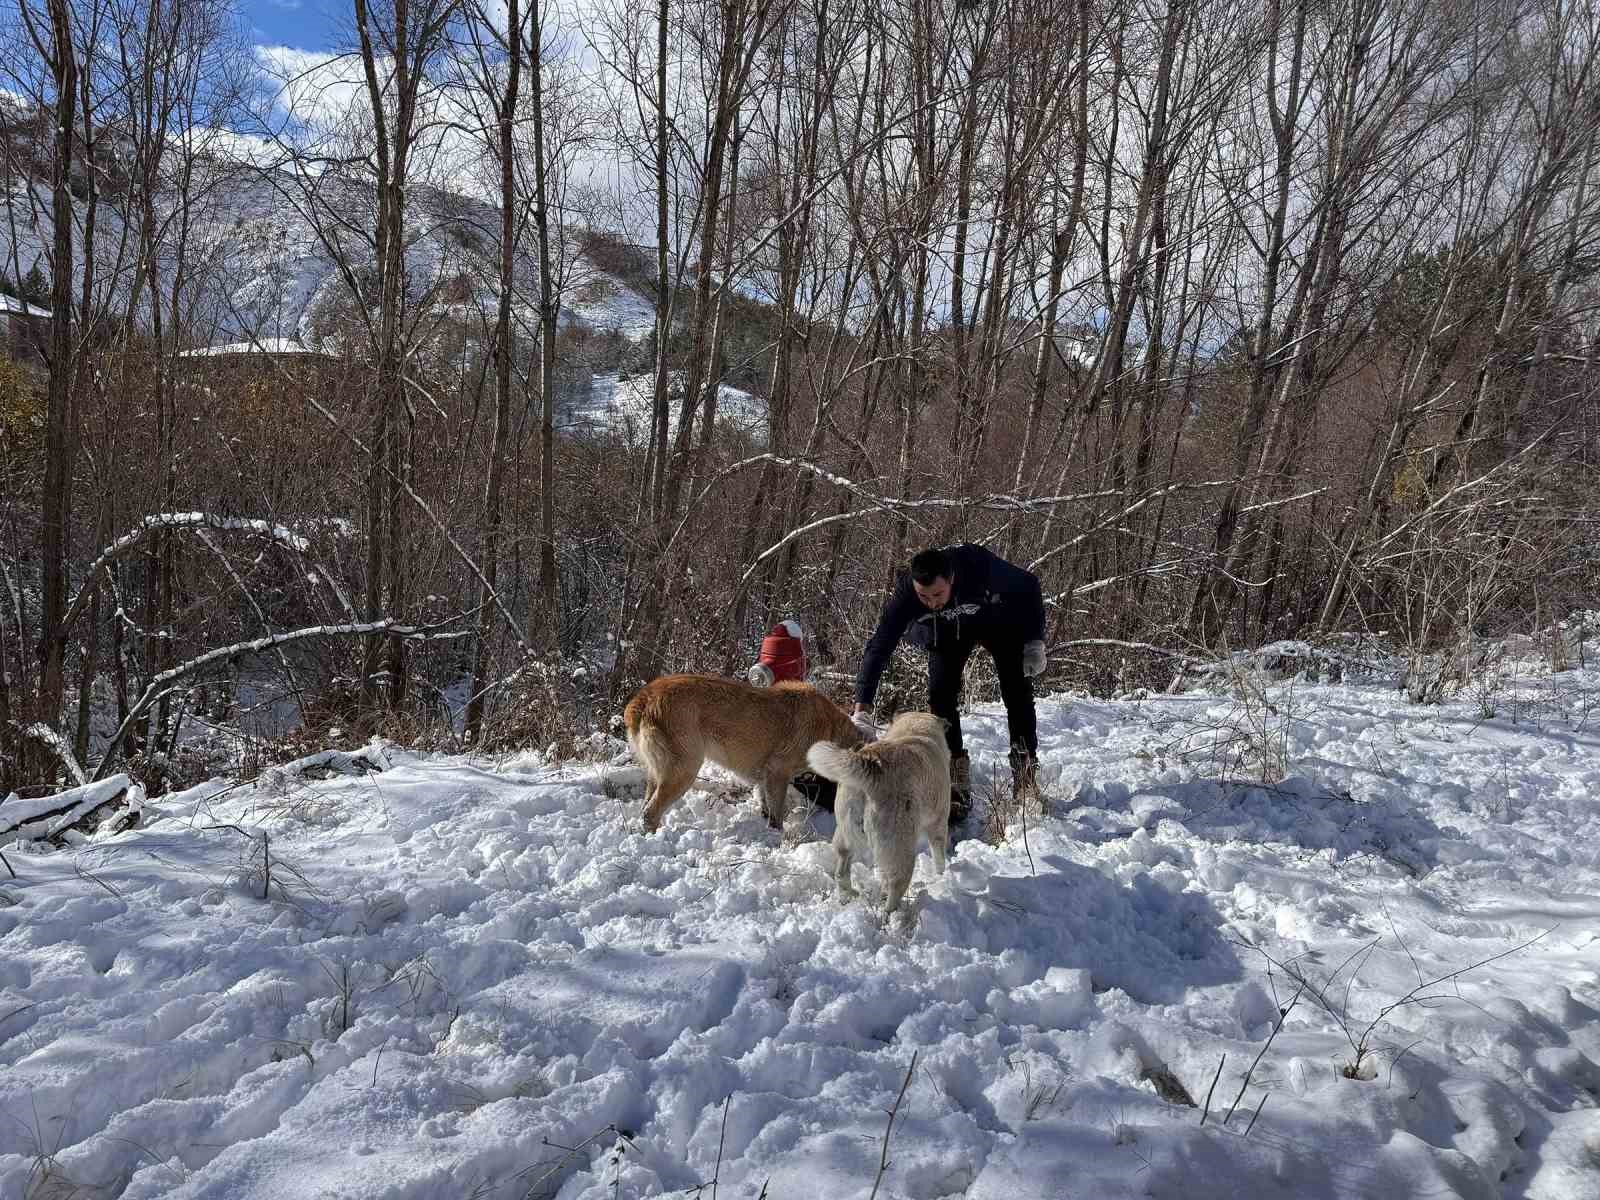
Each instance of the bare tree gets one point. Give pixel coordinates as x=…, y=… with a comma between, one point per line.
x=399, y=46
x=52, y=32
x=483, y=32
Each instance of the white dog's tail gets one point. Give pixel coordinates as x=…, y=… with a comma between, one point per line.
x=842, y=765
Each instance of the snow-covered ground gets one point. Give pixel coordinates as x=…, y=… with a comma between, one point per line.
x=479, y=978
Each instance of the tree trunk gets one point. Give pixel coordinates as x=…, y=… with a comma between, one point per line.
x=60, y=442
x=503, y=351
x=549, y=310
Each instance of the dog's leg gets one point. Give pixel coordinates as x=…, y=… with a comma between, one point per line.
x=897, y=859
x=774, y=796
x=651, y=787
x=844, y=819
x=939, y=843
x=895, y=885
x=666, y=793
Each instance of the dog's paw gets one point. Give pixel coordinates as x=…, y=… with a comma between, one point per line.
x=902, y=920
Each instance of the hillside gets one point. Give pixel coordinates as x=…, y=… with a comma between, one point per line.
x=269, y=258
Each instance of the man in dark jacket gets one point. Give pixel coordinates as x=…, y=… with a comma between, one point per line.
x=950, y=601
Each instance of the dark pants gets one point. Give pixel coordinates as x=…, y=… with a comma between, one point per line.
x=946, y=663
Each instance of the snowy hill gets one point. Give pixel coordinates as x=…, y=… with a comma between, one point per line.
x=480, y=978
x=264, y=274
x=263, y=253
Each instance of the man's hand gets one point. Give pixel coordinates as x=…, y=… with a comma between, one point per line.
x=1033, y=658
x=865, y=725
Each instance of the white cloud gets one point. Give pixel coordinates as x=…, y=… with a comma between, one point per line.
x=316, y=87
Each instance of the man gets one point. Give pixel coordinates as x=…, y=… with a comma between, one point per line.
x=952, y=600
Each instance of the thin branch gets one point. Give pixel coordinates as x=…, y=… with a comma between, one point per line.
x=883, y=1158
x=1206, y=1111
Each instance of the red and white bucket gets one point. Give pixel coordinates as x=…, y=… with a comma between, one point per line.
x=783, y=655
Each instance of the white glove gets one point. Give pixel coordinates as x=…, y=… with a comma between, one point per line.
x=865, y=725
x=1033, y=658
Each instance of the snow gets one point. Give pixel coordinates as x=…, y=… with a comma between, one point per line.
x=268, y=345
x=12, y=307
x=624, y=405
x=479, y=977
x=49, y=815
x=604, y=302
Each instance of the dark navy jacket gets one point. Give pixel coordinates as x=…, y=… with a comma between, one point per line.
x=990, y=598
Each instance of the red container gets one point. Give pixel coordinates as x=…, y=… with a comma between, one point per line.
x=783, y=655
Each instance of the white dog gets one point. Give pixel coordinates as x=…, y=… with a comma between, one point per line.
x=901, y=782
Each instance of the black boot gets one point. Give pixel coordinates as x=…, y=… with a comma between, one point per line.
x=960, y=787
x=815, y=788
x=1024, y=774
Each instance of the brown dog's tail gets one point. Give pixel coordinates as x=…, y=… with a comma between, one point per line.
x=632, y=715
x=842, y=765
x=648, y=733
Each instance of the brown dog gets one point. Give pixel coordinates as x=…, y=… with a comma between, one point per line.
x=676, y=722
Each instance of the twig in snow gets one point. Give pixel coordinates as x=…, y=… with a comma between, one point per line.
x=716, y=1172
x=1360, y=1037
x=266, y=854
x=79, y=870
x=4, y=1017
x=1259, y=1107
x=1206, y=1111
x=1283, y=1015
x=568, y=1153
x=883, y=1158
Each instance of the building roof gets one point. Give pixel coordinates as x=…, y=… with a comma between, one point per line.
x=11, y=306
x=273, y=346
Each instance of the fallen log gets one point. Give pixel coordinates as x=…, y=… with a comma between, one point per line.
x=72, y=815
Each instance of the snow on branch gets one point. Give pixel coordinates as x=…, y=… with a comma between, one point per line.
x=57, y=745
x=50, y=818
x=798, y=532
x=190, y=520
x=1127, y=510
x=164, y=683
x=1281, y=500
x=368, y=760
x=992, y=502
x=155, y=522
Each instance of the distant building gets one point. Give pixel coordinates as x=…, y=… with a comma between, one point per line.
x=275, y=370
x=272, y=347
x=24, y=329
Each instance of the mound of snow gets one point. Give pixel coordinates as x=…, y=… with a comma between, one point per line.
x=471, y=977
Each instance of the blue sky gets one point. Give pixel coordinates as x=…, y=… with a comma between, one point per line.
x=303, y=24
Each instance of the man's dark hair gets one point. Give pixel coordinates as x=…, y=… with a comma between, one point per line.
x=932, y=564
